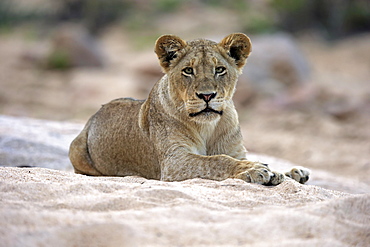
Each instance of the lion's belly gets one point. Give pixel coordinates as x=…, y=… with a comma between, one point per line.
x=116, y=144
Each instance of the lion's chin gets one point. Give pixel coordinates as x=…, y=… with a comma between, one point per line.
x=207, y=115
x=206, y=111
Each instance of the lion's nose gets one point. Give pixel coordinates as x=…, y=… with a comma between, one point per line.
x=206, y=96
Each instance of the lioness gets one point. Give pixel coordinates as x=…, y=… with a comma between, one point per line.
x=187, y=128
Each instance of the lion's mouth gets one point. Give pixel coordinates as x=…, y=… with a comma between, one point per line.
x=205, y=110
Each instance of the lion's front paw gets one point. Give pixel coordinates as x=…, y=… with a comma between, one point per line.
x=278, y=178
x=299, y=174
x=261, y=174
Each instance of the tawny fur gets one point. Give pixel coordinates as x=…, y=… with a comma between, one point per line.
x=169, y=136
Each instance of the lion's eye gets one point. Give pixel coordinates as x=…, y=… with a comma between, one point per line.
x=220, y=70
x=188, y=71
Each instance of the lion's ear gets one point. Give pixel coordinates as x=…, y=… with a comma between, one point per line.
x=238, y=46
x=166, y=49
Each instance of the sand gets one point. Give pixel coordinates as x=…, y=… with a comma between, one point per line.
x=45, y=207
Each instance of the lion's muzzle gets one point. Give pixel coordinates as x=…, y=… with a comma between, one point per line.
x=206, y=97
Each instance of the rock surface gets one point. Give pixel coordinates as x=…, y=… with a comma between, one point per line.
x=277, y=70
x=31, y=142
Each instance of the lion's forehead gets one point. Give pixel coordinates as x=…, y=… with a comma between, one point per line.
x=204, y=56
x=200, y=43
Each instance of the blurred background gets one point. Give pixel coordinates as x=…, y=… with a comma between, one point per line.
x=304, y=94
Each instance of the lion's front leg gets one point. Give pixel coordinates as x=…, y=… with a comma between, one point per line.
x=217, y=167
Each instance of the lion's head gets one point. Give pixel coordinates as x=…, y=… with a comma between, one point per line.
x=202, y=74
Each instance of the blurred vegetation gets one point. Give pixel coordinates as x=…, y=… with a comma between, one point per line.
x=333, y=18
x=59, y=60
x=11, y=16
x=95, y=14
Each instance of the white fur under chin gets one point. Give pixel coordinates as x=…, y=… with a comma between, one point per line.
x=206, y=130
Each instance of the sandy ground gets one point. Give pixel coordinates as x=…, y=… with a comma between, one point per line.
x=42, y=207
